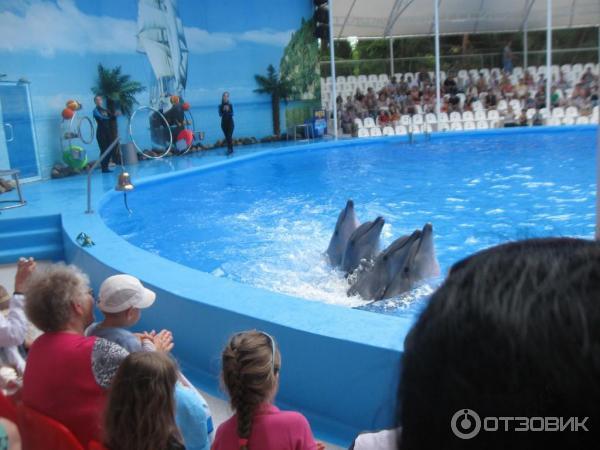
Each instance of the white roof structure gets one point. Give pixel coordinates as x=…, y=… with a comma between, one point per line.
x=395, y=18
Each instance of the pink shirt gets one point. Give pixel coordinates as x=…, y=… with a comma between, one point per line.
x=272, y=429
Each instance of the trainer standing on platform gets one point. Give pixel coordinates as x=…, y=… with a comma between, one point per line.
x=226, y=113
x=103, y=118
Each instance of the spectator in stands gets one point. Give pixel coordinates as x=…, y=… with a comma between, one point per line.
x=251, y=363
x=540, y=97
x=121, y=299
x=588, y=77
x=347, y=121
x=13, y=326
x=512, y=332
x=530, y=102
x=140, y=410
x=371, y=103
x=537, y=119
x=554, y=97
x=507, y=58
x=523, y=119
x=509, y=118
x=67, y=373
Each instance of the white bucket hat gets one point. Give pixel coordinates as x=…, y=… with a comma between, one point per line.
x=121, y=292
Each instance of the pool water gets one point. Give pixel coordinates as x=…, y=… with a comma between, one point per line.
x=266, y=222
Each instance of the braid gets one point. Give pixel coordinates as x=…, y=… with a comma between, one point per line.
x=248, y=377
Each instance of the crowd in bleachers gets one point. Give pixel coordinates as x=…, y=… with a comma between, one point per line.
x=476, y=99
x=511, y=332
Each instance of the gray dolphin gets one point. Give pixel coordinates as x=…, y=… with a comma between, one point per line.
x=363, y=244
x=420, y=263
x=344, y=227
x=371, y=284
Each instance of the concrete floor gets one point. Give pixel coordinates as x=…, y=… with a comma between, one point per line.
x=220, y=409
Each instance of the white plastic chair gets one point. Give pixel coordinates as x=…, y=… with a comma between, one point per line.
x=373, y=78
x=455, y=116
x=502, y=105
x=388, y=131
x=571, y=112
x=582, y=120
x=468, y=116
x=456, y=126
x=351, y=79
x=375, y=132
x=405, y=120
x=469, y=125
x=482, y=125
x=479, y=115
x=430, y=118
x=555, y=121
x=362, y=79
x=427, y=128
x=414, y=129
x=558, y=112
x=530, y=113
x=369, y=122
x=383, y=77
x=417, y=119
x=400, y=130
x=358, y=122
x=443, y=118
x=569, y=120
x=443, y=126
x=363, y=132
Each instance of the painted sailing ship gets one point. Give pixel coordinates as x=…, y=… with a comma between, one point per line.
x=161, y=37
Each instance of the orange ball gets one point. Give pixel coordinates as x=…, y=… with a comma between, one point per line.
x=73, y=105
x=68, y=113
x=174, y=99
x=185, y=106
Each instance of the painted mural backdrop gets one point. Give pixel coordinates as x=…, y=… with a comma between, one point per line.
x=194, y=48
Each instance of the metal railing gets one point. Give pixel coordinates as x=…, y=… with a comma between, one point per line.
x=104, y=155
x=346, y=67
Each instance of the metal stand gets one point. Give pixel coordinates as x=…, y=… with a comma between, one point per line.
x=308, y=130
x=21, y=201
x=104, y=155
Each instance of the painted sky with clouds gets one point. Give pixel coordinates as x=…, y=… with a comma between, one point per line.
x=58, y=44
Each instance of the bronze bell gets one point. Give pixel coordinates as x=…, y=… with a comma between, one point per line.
x=124, y=182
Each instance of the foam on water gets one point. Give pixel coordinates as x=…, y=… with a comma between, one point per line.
x=267, y=222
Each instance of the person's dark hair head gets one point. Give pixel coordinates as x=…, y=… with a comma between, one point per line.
x=225, y=97
x=140, y=413
x=514, y=331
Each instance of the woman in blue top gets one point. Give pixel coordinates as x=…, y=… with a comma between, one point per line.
x=226, y=114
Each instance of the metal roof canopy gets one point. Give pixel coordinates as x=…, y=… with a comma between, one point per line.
x=404, y=18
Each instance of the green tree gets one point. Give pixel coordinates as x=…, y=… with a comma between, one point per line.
x=300, y=63
x=278, y=88
x=119, y=91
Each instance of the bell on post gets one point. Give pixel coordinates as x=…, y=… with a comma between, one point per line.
x=124, y=182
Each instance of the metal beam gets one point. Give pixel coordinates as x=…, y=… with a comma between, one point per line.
x=391, y=19
x=478, y=16
x=395, y=19
x=548, y=53
x=526, y=12
x=436, y=15
x=572, y=13
x=346, y=19
x=333, y=80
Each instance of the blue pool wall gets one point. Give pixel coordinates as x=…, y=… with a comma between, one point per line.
x=340, y=366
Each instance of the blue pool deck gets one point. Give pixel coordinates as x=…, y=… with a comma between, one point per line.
x=340, y=366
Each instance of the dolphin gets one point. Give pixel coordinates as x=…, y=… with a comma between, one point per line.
x=371, y=284
x=344, y=227
x=420, y=263
x=363, y=244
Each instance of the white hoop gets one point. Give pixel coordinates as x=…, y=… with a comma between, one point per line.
x=80, y=135
x=166, y=125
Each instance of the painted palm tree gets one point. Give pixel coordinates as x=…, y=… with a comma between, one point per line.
x=119, y=91
x=278, y=88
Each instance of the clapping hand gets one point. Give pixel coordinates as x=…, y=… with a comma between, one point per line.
x=25, y=267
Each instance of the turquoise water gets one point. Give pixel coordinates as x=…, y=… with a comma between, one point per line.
x=266, y=222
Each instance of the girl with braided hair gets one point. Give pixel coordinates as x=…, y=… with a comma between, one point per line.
x=250, y=369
